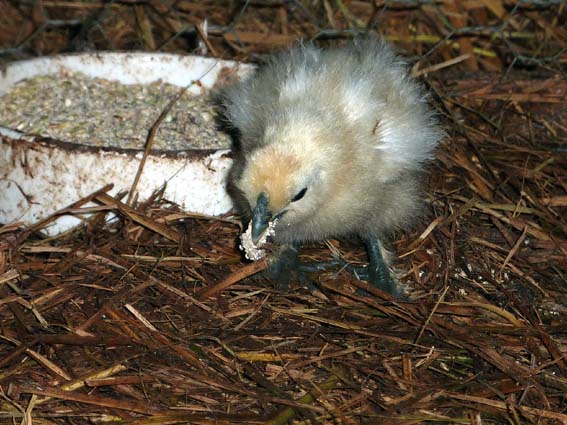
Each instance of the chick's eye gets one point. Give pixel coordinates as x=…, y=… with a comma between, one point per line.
x=299, y=195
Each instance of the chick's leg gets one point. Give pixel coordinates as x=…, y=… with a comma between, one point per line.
x=284, y=265
x=378, y=272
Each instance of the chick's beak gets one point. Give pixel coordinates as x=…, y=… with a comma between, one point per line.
x=261, y=216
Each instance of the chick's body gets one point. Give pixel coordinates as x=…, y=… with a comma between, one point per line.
x=335, y=140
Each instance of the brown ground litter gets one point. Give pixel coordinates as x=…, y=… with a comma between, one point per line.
x=125, y=321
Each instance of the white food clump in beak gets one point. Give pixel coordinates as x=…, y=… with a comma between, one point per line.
x=254, y=251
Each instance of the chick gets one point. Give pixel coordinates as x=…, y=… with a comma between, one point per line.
x=332, y=143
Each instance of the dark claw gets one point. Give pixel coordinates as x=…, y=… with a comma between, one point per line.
x=321, y=266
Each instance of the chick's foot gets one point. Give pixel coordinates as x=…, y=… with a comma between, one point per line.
x=284, y=265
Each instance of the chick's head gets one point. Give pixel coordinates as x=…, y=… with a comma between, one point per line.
x=289, y=178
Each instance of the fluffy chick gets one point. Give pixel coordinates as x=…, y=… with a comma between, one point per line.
x=332, y=142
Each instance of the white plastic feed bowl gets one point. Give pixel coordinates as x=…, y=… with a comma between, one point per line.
x=40, y=176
